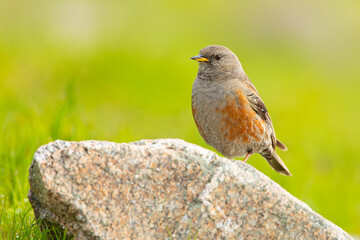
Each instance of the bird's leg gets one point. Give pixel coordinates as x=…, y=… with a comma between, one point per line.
x=248, y=155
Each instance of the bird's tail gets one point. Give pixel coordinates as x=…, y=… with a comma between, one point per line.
x=276, y=163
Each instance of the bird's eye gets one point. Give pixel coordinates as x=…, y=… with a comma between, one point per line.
x=218, y=57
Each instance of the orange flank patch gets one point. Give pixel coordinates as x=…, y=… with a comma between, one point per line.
x=239, y=120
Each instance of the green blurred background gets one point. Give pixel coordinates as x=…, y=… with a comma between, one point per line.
x=121, y=71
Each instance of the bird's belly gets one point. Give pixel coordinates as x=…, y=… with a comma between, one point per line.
x=228, y=124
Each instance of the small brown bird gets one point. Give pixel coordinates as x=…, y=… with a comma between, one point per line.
x=228, y=110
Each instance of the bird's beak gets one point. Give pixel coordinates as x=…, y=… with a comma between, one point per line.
x=200, y=58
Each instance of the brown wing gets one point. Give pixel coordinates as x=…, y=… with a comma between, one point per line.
x=259, y=107
x=255, y=101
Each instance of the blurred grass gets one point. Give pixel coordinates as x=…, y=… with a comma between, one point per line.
x=120, y=71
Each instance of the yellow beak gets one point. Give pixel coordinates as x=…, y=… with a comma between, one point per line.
x=200, y=58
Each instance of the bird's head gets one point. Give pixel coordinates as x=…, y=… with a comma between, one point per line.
x=217, y=62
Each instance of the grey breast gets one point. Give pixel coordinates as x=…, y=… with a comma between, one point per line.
x=209, y=98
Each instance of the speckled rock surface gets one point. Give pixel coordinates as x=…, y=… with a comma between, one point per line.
x=164, y=189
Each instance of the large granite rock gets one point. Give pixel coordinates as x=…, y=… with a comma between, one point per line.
x=164, y=189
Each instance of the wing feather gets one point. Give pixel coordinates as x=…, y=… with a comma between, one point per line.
x=259, y=107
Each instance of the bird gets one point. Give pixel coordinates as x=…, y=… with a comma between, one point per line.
x=228, y=110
